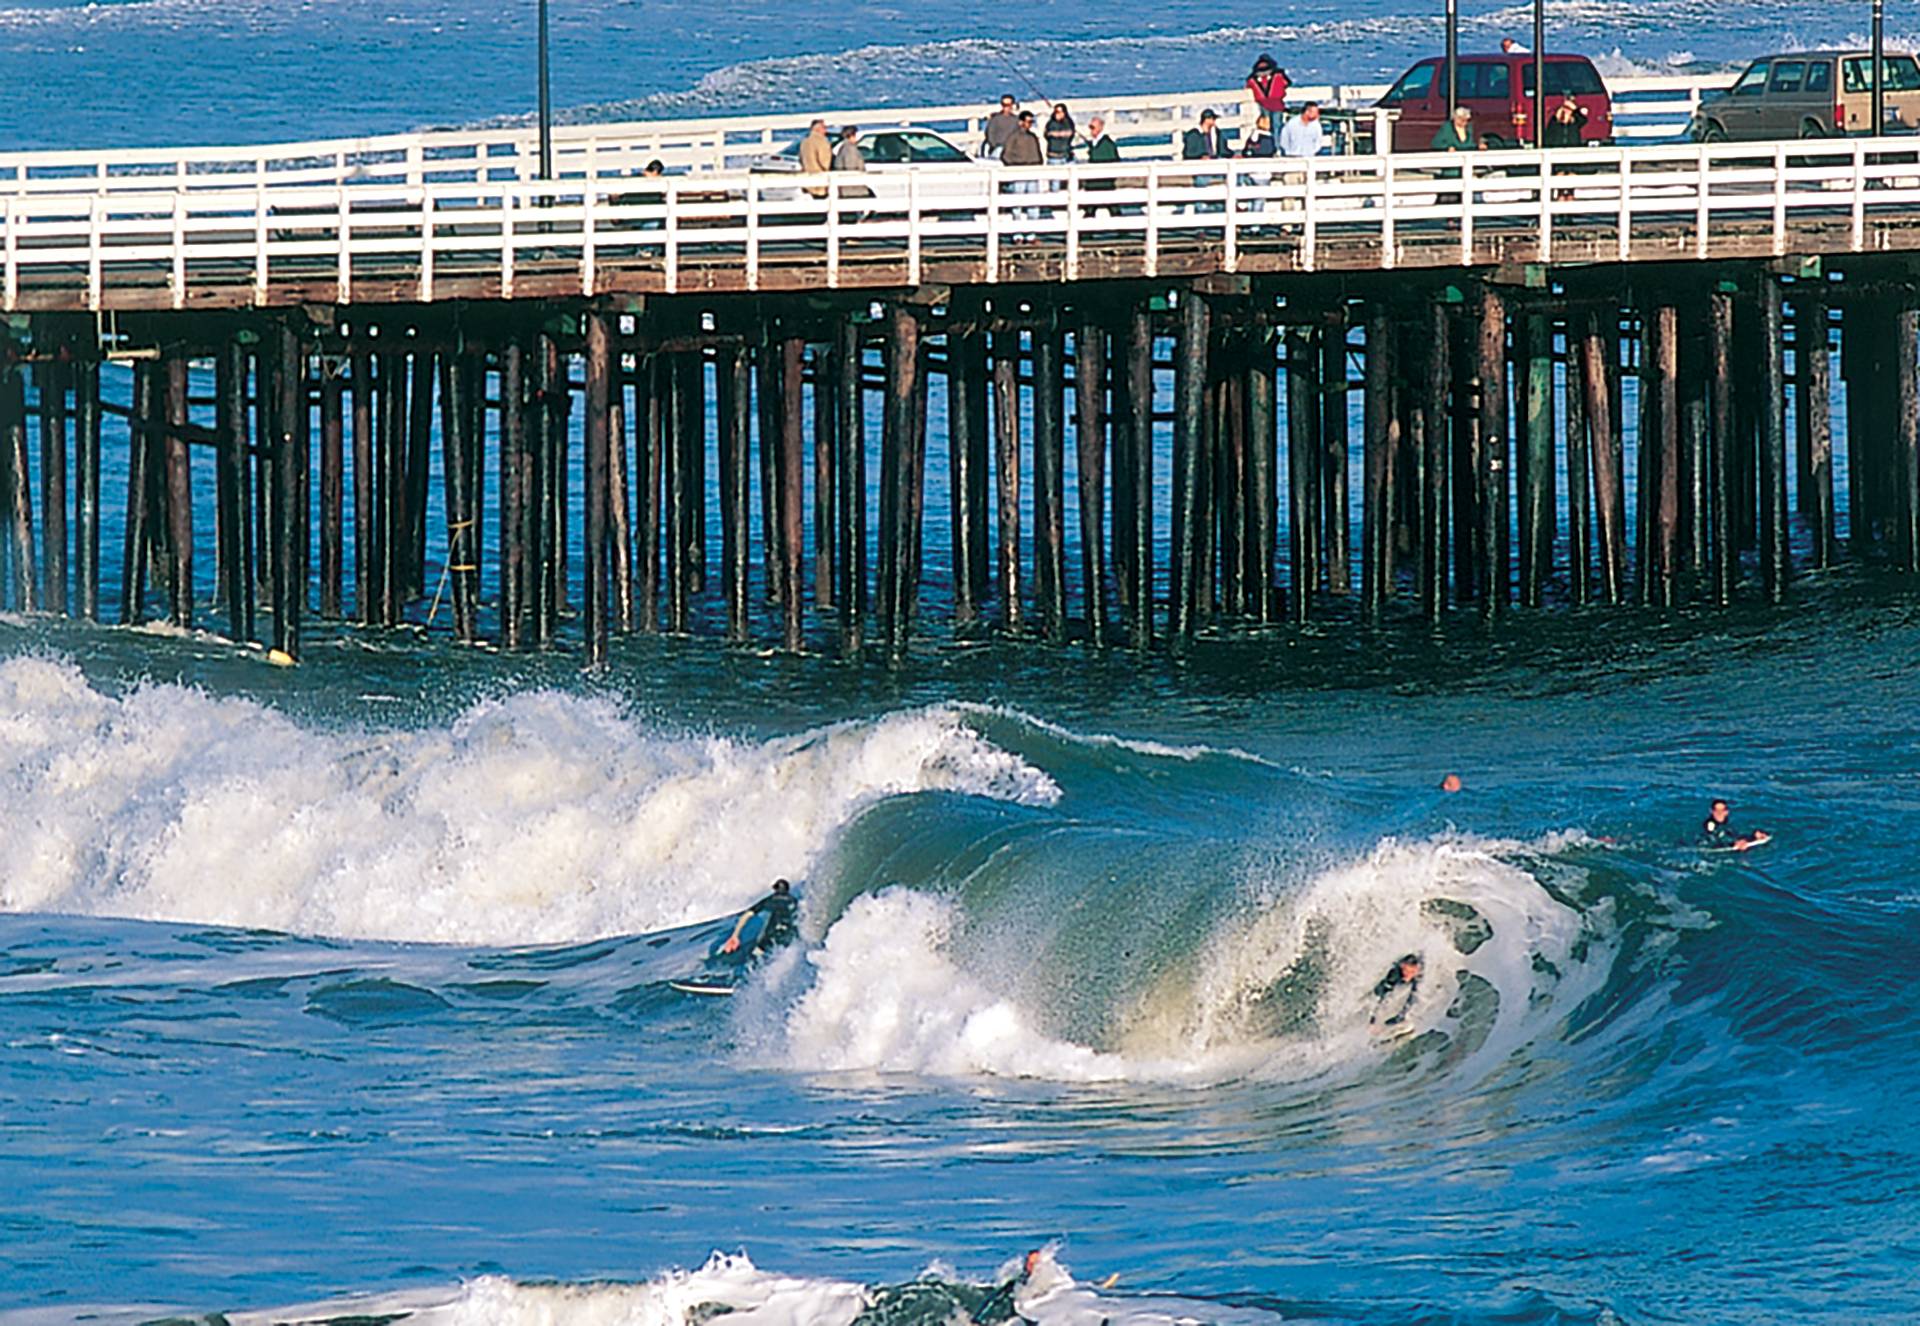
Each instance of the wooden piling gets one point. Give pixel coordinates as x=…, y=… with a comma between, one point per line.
x=86, y=487
x=767, y=394
x=389, y=515
x=674, y=481
x=179, y=496
x=1139, y=378
x=1376, y=520
x=1579, y=482
x=1335, y=442
x=734, y=380
x=515, y=462
x=1496, y=578
x=1660, y=452
x=1229, y=485
x=652, y=408
x=825, y=527
x=595, y=599
x=16, y=485
x=1006, y=456
x=1905, y=470
x=51, y=382
x=1263, y=446
x=419, y=441
x=332, y=488
x=1189, y=441
x=1436, y=422
x=1090, y=478
x=1049, y=482
x=1723, y=547
x=1303, y=467
x=790, y=465
x=1608, y=516
x=900, y=535
x=1537, y=494
x=289, y=466
x=365, y=588
x=849, y=400
x=133, y=557
x=1774, y=561
x=965, y=364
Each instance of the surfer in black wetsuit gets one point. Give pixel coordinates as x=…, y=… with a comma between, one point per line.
x=783, y=914
x=1404, y=974
x=1718, y=832
x=999, y=1305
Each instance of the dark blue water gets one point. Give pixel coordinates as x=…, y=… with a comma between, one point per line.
x=346, y=986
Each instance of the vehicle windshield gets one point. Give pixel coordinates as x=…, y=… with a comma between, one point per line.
x=1901, y=73
x=1754, y=81
x=1414, y=85
x=916, y=146
x=1567, y=78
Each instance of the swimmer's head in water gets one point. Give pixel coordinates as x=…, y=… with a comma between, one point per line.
x=781, y=887
x=1410, y=966
x=1719, y=811
x=1451, y=783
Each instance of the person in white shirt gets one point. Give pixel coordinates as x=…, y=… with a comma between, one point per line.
x=1304, y=135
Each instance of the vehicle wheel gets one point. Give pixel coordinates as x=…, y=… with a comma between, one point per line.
x=1713, y=133
x=1813, y=129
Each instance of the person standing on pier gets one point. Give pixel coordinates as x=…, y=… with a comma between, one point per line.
x=816, y=154
x=1205, y=143
x=1000, y=126
x=1457, y=134
x=1566, y=127
x=1101, y=149
x=1060, y=133
x=1267, y=84
x=1305, y=134
x=848, y=156
x=1023, y=149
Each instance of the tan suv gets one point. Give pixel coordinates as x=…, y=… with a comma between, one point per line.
x=1810, y=94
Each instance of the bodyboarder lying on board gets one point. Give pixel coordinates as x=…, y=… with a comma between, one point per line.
x=783, y=911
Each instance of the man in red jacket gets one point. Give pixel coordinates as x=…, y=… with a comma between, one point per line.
x=1268, y=84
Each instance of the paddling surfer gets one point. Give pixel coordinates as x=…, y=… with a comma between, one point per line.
x=783, y=912
x=1718, y=833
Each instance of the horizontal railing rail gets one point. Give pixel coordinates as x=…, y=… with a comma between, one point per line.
x=421, y=240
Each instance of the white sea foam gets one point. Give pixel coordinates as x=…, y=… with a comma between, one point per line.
x=888, y=992
x=539, y=818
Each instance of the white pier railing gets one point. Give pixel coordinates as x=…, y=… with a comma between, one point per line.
x=347, y=243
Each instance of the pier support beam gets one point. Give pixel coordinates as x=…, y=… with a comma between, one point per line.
x=1723, y=543
x=733, y=376
x=966, y=368
x=290, y=417
x=1304, y=404
x=1435, y=423
x=1049, y=482
x=1376, y=520
x=462, y=545
x=1336, y=522
x=850, y=401
x=179, y=497
x=1496, y=578
x=1537, y=495
x=333, y=489
x=596, y=596
x=1775, y=565
x=1599, y=363
x=1189, y=442
x=1139, y=377
x=1090, y=438
x=1263, y=453
x=1006, y=458
x=516, y=462
x=365, y=588
x=51, y=381
x=1905, y=470
x=1660, y=453
x=1814, y=371
x=86, y=488
x=16, y=488
x=790, y=465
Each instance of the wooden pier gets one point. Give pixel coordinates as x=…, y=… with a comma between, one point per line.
x=510, y=404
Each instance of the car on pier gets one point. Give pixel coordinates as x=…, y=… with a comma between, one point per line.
x=1498, y=89
x=1811, y=94
x=946, y=173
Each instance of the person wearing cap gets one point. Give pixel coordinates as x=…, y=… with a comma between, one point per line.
x=1206, y=143
x=783, y=914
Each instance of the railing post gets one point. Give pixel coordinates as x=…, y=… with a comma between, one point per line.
x=259, y=246
x=1389, y=244
x=11, y=222
x=589, y=210
x=1153, y=222
x=1779, y=200
x=1231, y=238
x=833, y=234
x=426, y=247
x=1625, y=243
x=753, y=234
x=1310, y=235
x=178, y=279
x=1466, y=211
x=1859, y=197
x=1702, y=216
x=993, y=224
x=1073, y=224
x=509, y=202
x=1546, y=207
x=345, y=279
x=913, y=227
x=672, y=255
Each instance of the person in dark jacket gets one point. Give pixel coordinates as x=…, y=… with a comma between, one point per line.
x=1060, y=131
x=1206, y=143
x=1260, y=143
x=1000, y=126
x=1566, y=127
x=1268, y=84
x=1022, y=147
x=1457, y=134
x=1101, y=149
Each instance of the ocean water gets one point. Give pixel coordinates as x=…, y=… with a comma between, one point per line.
x=340, y=993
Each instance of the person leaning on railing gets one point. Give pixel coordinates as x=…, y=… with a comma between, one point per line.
x=1456, y=135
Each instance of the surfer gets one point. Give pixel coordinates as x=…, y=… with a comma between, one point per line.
x=1404, y=974
x=783, y=911
x=999, y=1305
x=1718, y=833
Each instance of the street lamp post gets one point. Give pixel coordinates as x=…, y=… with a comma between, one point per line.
x=546, y=103
x=1539, y=73
x=1453, y=56
x=1879, y=68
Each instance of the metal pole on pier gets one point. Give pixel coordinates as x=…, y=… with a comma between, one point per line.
x=1453, y=56
x=1539, y=73
x=1879, y=68
x=546, y=102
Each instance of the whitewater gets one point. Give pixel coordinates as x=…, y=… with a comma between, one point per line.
x=343, y=993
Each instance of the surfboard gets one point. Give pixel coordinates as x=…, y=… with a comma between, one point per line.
x=1387, y=1025
x=703, y=985
x=1761, y=839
